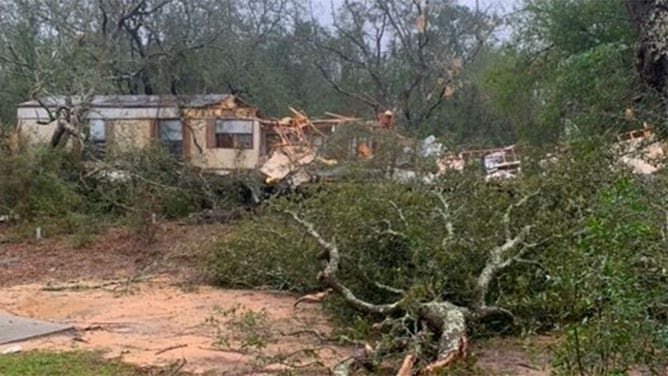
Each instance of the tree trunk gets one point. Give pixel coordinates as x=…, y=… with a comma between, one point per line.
x=650, y=18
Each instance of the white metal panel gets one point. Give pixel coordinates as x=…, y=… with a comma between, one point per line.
x=32, y=113
x=133, y=113
x=39, y=113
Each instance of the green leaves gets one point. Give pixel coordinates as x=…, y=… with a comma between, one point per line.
x=617, y=330
x=569, y=72
x=592, y=273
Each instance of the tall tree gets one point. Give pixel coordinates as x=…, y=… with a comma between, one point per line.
x=650, y=18
x=568, y=71
x=402, y=55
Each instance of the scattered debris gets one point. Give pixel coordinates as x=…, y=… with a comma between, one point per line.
x=641, y=151
x=297, y=141
x=282, y=164
x=502, y=164
x=499, y=163
x=12, y=350
x=429, y=147
x=386, y=120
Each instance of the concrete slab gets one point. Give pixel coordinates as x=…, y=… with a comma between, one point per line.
x=16, y=329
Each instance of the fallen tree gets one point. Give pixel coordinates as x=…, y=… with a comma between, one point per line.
x=438, y=319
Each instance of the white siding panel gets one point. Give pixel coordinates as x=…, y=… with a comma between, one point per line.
x=25, y=113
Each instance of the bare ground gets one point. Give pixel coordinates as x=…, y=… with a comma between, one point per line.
x=146, y=304
x=156, y=323
x=114, y=253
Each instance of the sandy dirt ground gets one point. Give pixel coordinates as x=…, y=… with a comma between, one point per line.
x=157, y=323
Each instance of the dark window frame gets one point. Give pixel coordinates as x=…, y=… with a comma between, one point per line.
x=97, y=147
x=175, y=148
x=234, y=140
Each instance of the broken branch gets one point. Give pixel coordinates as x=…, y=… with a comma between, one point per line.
x=313, y=298
x=329, y=274
x=407, y=365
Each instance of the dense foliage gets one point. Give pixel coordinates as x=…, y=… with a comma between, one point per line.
x=56, y=190
x=595, y=272
x=569, y=72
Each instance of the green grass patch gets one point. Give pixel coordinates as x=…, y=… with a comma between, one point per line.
x=64, y=364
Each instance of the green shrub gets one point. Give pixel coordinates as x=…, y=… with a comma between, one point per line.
x=49, y=188
x=266, y=253
x=175, y=187
x=608, y=273
x=389, y=233
x=38, y=183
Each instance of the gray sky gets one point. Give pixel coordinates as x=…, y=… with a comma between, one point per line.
x=501, y=6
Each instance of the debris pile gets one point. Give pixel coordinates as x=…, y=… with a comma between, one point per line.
x=298, y=138
x=295, y=145
x=499, y=163
x=641, y=151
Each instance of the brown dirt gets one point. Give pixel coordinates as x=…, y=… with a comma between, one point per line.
x=114, y=253
x=141, y=325
x=509, y=356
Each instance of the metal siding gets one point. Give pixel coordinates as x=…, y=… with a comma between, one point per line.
x=107, y=113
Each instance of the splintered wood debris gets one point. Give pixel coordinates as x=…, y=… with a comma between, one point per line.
x=296, y=148
x=297, y=139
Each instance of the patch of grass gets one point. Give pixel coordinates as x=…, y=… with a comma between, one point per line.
x=64, y=364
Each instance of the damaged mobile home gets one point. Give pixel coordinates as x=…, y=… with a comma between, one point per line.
x=214, y=132
x=218, y=133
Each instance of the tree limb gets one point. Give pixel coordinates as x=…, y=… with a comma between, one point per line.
x=329, y=277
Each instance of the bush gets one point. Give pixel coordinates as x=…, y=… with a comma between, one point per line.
x=390, y=233
x=51, y=188
x=38, y=183
x=612, y=275
x=175, y=188
x=266, y=253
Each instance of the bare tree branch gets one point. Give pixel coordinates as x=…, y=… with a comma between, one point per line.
x=329, y=277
